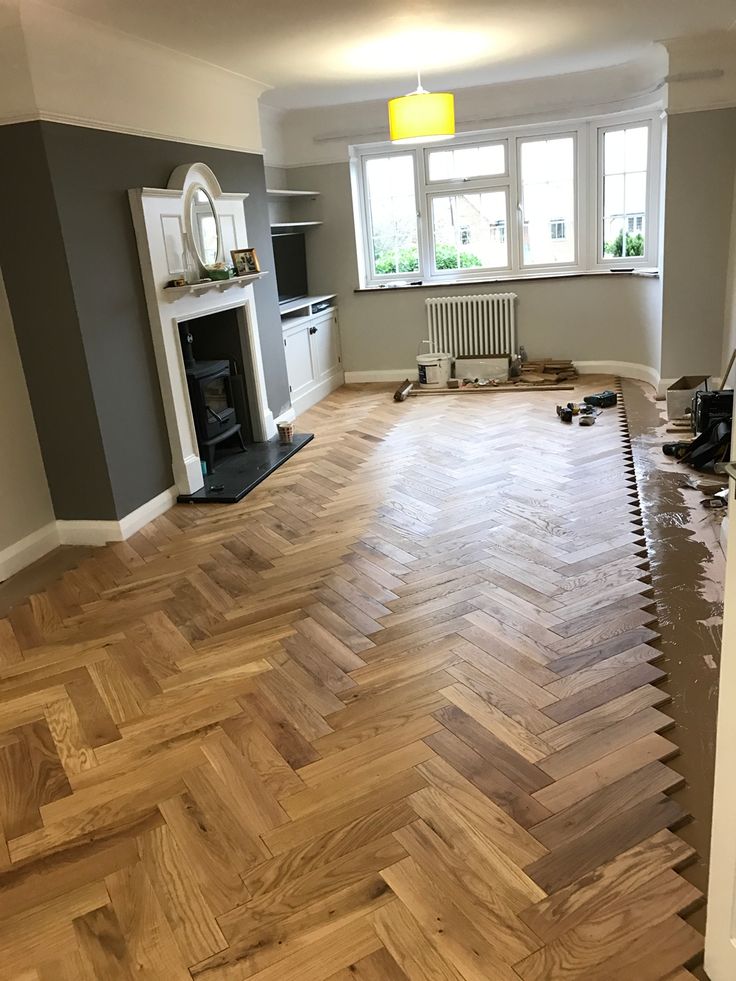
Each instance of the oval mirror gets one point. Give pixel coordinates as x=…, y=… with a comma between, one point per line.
x=205, y=230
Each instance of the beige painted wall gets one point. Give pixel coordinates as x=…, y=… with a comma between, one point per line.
x=729, y=328
x=701, y=162
x=610, y=317
x=25, y=504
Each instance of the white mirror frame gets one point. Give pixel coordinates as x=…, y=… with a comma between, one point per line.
x=189, y=206
x=190, y=178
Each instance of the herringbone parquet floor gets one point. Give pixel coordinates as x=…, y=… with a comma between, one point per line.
x=393, y=717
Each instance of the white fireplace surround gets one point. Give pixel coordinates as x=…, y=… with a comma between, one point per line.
x=161, y=217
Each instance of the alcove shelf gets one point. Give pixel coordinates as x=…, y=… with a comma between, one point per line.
x=283, y=193
x=294, y=224
x=290, y=212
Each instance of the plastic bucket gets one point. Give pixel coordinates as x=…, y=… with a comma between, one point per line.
x=434, y=370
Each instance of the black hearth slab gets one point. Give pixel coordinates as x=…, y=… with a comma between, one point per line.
x=239, y=474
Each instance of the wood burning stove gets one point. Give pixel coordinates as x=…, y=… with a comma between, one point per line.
x=213, y=400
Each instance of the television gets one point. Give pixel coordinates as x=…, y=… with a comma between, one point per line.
x=290, y=260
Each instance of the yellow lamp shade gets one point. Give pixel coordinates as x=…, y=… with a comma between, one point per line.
x=421, y=117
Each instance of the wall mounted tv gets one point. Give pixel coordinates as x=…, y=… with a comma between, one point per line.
x=290, y=259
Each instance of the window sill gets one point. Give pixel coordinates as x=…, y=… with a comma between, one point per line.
x=574, y=274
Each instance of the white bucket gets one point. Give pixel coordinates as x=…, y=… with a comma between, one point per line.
x=434, y=370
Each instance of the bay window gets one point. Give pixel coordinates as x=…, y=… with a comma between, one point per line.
x=549, y=199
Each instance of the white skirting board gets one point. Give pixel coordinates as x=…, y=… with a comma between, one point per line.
x=39, y=543
x=389, y=375
x=101, y=532
x=29, y=549
x=314, y=395
x=288, y=416
x=626, y=369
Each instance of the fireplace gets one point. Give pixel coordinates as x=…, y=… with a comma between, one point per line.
x=221, y=317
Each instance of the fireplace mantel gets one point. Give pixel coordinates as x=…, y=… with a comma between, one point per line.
x=161, y=217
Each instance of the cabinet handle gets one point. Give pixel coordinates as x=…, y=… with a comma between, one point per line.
x=312, y=330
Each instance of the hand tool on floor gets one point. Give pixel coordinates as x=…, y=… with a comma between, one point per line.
x=402, y=391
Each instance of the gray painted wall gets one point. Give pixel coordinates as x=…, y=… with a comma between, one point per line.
x=608, y=317
x=43, y=307
x=701, y=162
x=117, y=436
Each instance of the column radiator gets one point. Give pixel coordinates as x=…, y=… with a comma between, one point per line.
x=472, y=326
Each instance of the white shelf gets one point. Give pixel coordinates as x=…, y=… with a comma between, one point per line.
x=282, y=193
x=172, y=292
x=295, y=224
x=303, y=302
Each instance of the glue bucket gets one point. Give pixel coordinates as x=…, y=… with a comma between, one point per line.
x=434, y=370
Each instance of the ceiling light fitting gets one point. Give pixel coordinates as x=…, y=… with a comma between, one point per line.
x=421, y=116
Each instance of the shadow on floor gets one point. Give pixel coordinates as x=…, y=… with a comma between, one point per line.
x=37, y=577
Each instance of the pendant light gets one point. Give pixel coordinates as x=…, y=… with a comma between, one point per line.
x=421, y=116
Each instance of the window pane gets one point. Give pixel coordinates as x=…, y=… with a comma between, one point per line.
x=625, y=159
x=393, y=214
x=548, y=200
x=466, y=162
x=470, y=231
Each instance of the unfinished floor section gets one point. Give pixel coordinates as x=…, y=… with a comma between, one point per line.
x=393, y=716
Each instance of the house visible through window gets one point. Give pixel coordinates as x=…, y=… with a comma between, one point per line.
x=512, y=204
x=468, y=231
x=557, y=229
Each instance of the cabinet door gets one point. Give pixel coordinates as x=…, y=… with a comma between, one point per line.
x=301, y=364
x=326, y=340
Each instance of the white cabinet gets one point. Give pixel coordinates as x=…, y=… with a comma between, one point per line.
x=301, y=364
x=326, y=342
x=312, y=346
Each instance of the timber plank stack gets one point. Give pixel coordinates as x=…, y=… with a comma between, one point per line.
x=393, y=717
x=550, y=372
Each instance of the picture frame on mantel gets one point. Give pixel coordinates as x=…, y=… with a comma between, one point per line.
x=245, y=262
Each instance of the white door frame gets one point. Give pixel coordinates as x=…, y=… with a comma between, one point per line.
x=720, y=934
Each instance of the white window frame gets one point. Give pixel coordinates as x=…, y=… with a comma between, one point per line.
x=440, y=275
x=457, y=144
x=651, y=220
x=371, y=275
x=588, y=218
x=577, y=143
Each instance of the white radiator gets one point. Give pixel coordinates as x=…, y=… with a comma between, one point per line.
x=472, y=326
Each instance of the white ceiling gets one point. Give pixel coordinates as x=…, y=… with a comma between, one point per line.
x=326, y=52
